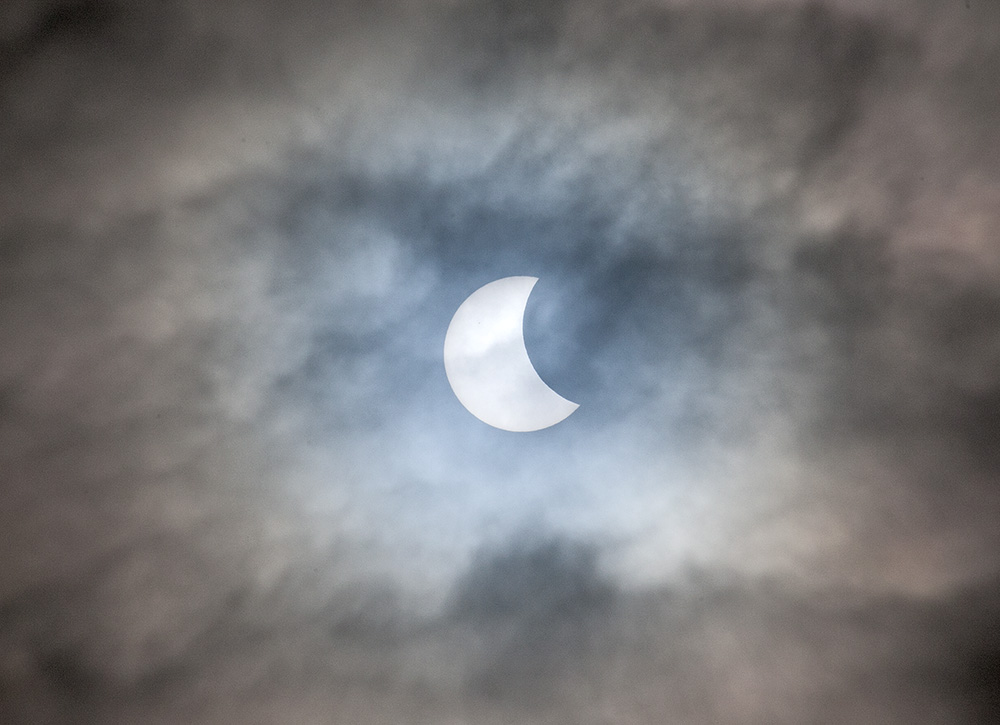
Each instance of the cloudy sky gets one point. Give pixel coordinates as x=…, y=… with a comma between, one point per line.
x=237, y=487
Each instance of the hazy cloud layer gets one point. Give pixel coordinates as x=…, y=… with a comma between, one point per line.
x=238, y=488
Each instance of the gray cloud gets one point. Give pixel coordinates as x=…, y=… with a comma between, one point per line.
x=537, y=633
x=237, y=484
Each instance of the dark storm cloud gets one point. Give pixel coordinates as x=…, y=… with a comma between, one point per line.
x=934, y=391
x=535, y=605
x=535, y=632
x=715, y=650
x=238, y=487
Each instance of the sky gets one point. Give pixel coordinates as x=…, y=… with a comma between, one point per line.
x=237, y=487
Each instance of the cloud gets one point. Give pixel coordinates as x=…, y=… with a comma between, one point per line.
x=716, y=650
x=535, y=631
x=236, y=481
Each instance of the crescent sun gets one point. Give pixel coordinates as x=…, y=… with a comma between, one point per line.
x=487, y=363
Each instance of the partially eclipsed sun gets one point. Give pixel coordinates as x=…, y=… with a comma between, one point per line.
x=487, y=363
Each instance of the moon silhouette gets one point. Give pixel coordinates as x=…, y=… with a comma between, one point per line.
x=487, y=363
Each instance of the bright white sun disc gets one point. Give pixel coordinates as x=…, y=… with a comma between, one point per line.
x=488, y=365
